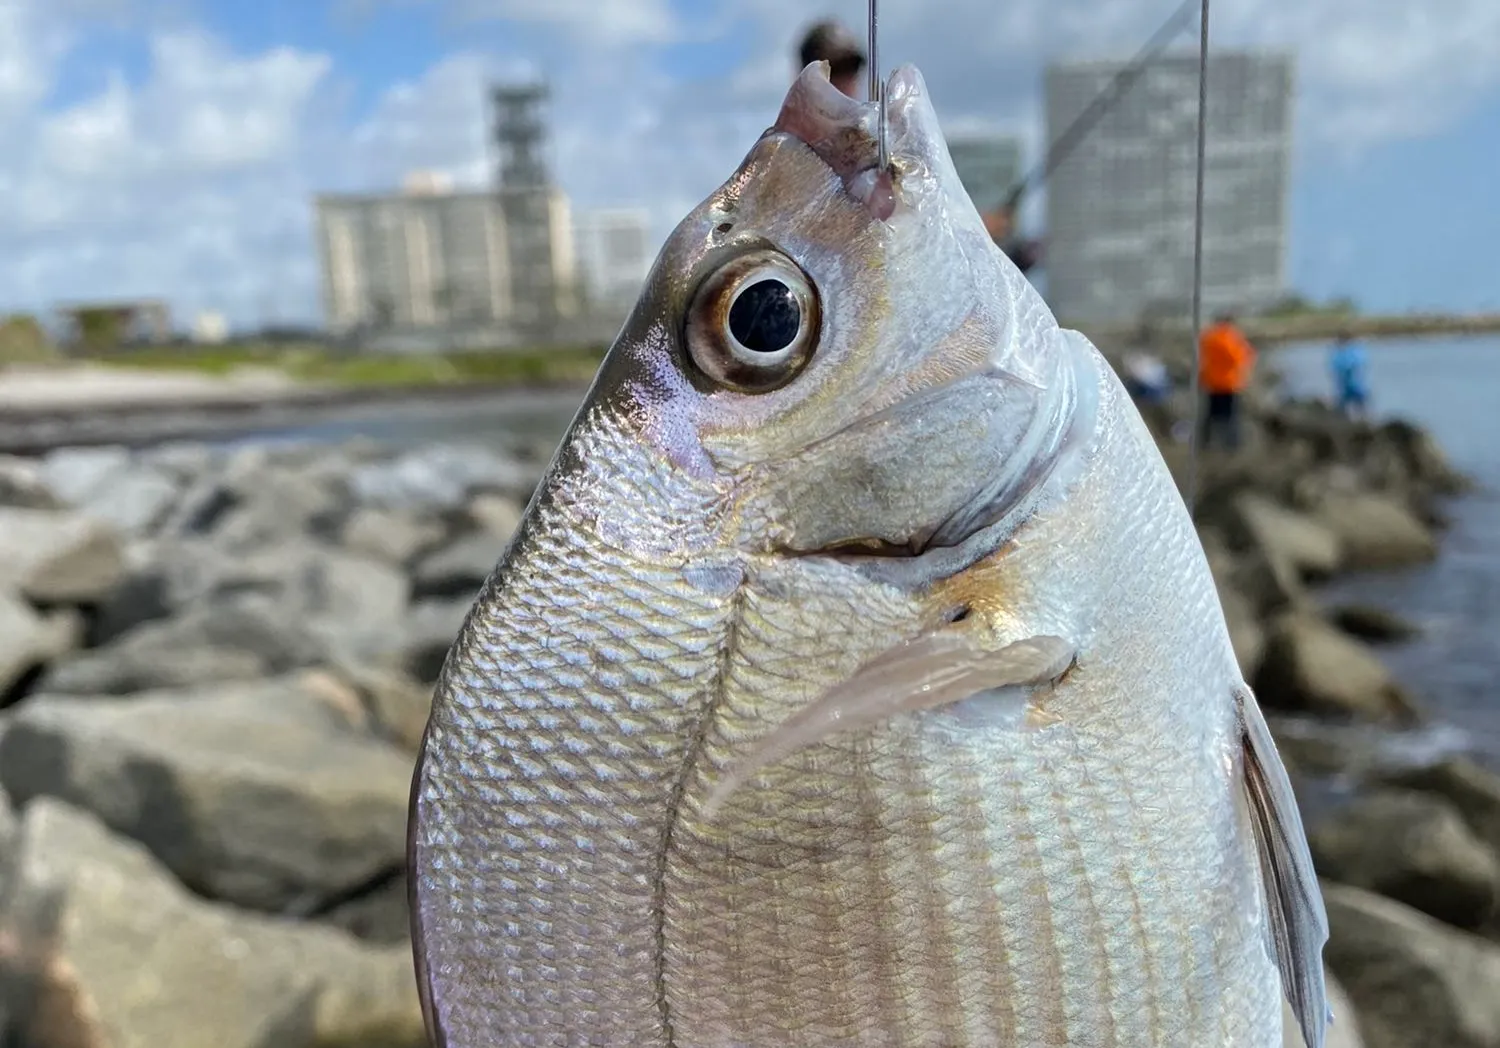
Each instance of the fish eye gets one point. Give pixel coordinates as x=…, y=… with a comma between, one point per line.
x=753, y=323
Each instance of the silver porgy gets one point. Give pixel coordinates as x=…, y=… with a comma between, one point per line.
x=856, y=676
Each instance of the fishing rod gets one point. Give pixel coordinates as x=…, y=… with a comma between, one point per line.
x=1091, y=115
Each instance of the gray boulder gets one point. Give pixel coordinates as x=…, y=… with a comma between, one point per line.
x=1414, y=848
x=257, y=794
x=391, y=536
x=243, y=637
x=1311, y=666
x=1413, y=980
x=73, y=474
x=1307, y=546
x=428, y=633
x=22, y=484
x=29, y=641
x=1342, y=1033
x=440, y=478
x=273, y=505
x=1473, y=791
x=1371, y=623
x=496, y=514
x=1377, y=531
x=1245, y=631
x=458, y=568
x=105, y=950
x=58, y=556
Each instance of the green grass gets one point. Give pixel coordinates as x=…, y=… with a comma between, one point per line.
x=314, y=364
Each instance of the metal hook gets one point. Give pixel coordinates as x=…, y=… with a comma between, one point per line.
x=877, y=89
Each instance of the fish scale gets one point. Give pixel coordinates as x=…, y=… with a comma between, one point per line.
x=696, y=778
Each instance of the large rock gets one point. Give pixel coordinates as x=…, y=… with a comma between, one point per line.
x=244, y=637
x=390, y=536
x=1412, y=847
x=1425, y=461
x=428, y=633
x=441, y=478
x=1310, y=665
x=1472, y=790
x=496, y=514
x=1342, y=1033
x=1371, y=623
x=22, y=484
x=1307, y=546
x=272, y=505
x=1377, y=531
x=106, y=951
x=459, y=568
x=59, y=557
x=1245, y=631
x=1413, y=980
x=256, y=795
x=397, y=703
x=73, y=474
x=29, y=641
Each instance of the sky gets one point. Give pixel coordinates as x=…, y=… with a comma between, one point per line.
x=172, y=148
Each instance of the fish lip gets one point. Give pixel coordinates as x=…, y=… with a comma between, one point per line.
x=842, y=131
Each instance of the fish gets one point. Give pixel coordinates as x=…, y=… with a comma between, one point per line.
x=856, y=675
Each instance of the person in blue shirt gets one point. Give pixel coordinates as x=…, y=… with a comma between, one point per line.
x=1351, y=388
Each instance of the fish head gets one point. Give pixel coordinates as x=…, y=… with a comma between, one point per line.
x=839, y=350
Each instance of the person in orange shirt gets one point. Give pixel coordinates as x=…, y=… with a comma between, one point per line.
x=1226, y=360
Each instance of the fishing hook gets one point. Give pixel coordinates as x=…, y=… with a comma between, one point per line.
x=877, y=91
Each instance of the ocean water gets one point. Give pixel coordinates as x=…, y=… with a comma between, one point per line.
x=1451, y=387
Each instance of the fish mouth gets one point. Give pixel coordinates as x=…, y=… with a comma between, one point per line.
x=843, y=132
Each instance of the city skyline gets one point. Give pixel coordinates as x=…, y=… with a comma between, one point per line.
x=174, y=152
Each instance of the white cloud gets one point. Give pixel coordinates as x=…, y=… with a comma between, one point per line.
x=196, y=182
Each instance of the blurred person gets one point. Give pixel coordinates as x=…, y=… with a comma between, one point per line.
x=1148, y=383
x=1226, y=361
x=831, y=41
x=1350, y=384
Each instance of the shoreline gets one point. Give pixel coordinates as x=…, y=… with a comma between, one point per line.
x=42, y=426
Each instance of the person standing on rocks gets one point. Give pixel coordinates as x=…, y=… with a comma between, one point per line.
x=831, y=41
x=1351, y=388
x=1226, y=360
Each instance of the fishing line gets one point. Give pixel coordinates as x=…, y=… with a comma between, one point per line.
x=877, y=90
x=1082, y=124
x=1191, y=485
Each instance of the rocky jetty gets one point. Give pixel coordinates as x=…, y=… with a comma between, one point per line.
x=215, y=666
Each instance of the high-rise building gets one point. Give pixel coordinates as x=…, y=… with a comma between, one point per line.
x=987, y=165
x=424, y=258
x=614, y=254
x=539, y=228
x=1120, y=207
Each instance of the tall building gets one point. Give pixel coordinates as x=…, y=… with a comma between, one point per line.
x=539, y=229
x=427, y=257
x=988, y=166
x=1120, y=208
x=614, y=254
x=500, y=264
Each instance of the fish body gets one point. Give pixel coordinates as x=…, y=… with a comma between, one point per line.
x=867, y=687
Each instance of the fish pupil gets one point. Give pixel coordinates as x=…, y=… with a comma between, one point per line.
x=766, y=316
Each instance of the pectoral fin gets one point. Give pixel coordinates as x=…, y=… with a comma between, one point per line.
x=932, y=671
x=1299, y=925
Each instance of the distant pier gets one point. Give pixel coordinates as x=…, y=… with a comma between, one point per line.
x=1312, y=327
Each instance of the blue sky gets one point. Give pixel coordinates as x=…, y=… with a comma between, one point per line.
x=172, y=147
